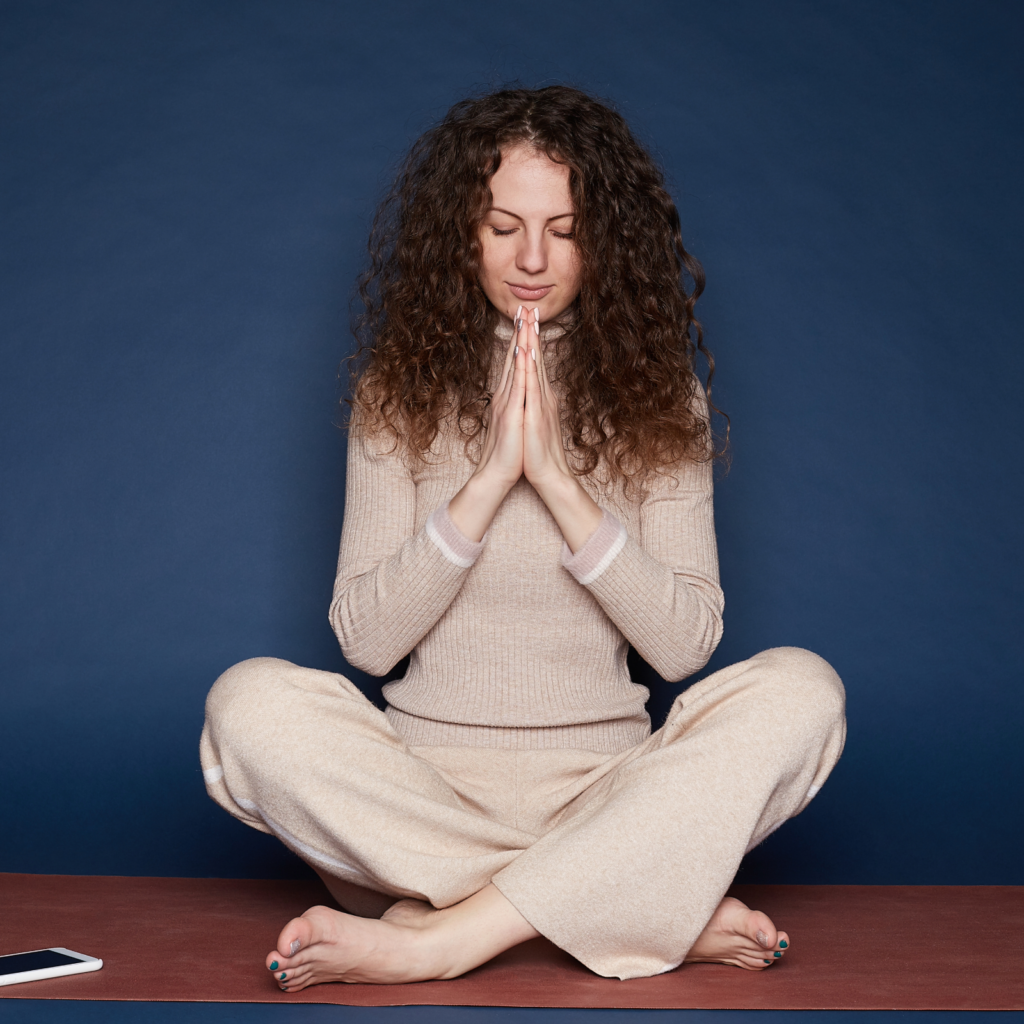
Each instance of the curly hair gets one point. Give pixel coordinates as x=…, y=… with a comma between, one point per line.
x=633, y=402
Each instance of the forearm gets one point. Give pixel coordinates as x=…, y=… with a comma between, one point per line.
x=473, y=509
x=577, y=514
x=381, y=614
x=658, y=582
x=394, y=581
x=673, y=617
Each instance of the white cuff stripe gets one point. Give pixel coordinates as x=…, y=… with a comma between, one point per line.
x=443, y=546
x=609, y=556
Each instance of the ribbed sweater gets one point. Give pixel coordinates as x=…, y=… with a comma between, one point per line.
x=515, y=642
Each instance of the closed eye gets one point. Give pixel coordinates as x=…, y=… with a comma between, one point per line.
x=512, y=231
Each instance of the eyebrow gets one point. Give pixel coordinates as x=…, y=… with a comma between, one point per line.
x=498, y=209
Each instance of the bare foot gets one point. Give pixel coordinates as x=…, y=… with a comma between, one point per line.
x=740, y=936
x=411, y=942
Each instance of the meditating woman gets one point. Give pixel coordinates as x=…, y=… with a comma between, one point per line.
x=528, y=493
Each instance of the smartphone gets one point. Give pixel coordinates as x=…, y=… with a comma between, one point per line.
x=44, y=963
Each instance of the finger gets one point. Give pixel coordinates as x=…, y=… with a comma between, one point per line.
x=518, y=390
x=504, y=396
x=510, y=354
x=532, y=375
x=519, y=338
x=541, y=367
x=539, y=353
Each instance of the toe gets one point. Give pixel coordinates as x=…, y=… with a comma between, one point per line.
x=294, y=980
x=754, y=961
x=760, y=929
x=296, y=935
x=758, y=958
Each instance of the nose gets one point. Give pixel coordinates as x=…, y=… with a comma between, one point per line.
x=532, y=255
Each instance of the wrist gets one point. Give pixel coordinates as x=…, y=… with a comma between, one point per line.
x=487, y=484
x=559, y=488
x=577, y=514
x=473, y=508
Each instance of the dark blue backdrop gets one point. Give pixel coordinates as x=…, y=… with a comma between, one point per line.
x=185, y=198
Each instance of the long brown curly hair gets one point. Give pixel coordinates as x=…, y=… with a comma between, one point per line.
x=626, y=362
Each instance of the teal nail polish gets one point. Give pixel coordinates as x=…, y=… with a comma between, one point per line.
x=273, y=966
x=776, y=954
x=283, y=975
x=767, y=961
x=784, y=944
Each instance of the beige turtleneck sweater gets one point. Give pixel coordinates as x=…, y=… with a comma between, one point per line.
x=516, y=643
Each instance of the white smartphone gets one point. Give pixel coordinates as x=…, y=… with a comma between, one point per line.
x=44, y=963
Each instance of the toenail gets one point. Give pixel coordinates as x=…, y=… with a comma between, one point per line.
x=767, y=961
x=777, y=953
x=273, y=966
x=783, y=943
x=283, y=976
x=296, y=943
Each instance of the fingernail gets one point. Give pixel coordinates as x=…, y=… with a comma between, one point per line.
x=763, y=939
x=283, y=975
x=273, y=965
x=519, y=312
x=776, y=953
x=519, y=326
x=515, y=352
x=784, y=944
x=536, y=327
x=296, y=943
x=533, y=352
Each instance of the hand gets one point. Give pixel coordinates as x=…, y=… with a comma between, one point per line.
x=502, y=456
x=544, y=461
x=524, y=436
x=501, y=459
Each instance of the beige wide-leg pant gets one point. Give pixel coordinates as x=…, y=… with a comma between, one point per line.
x=620, y=859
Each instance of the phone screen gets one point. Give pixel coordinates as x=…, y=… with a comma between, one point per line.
x=17, y=962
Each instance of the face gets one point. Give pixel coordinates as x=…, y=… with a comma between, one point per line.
x=529, y=256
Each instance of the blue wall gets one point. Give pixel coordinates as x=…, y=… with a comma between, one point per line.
x=185, y=198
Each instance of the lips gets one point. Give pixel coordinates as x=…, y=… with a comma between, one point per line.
x=530, y=294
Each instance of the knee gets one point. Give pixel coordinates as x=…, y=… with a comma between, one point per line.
x=240, y=701
x=804, y=686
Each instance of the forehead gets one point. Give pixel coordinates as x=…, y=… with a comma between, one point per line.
x=529, y=182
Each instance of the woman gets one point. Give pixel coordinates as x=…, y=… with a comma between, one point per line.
x=528, y=493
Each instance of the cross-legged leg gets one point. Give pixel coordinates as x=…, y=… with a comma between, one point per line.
x=632, y=879
x=303, y=755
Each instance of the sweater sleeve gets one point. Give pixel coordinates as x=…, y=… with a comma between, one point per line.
x=393, y=582
x=660, y=588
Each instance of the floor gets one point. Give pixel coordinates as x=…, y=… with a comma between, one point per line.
x=50, y=1011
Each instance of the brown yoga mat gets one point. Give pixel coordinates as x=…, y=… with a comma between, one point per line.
x=865, y=947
